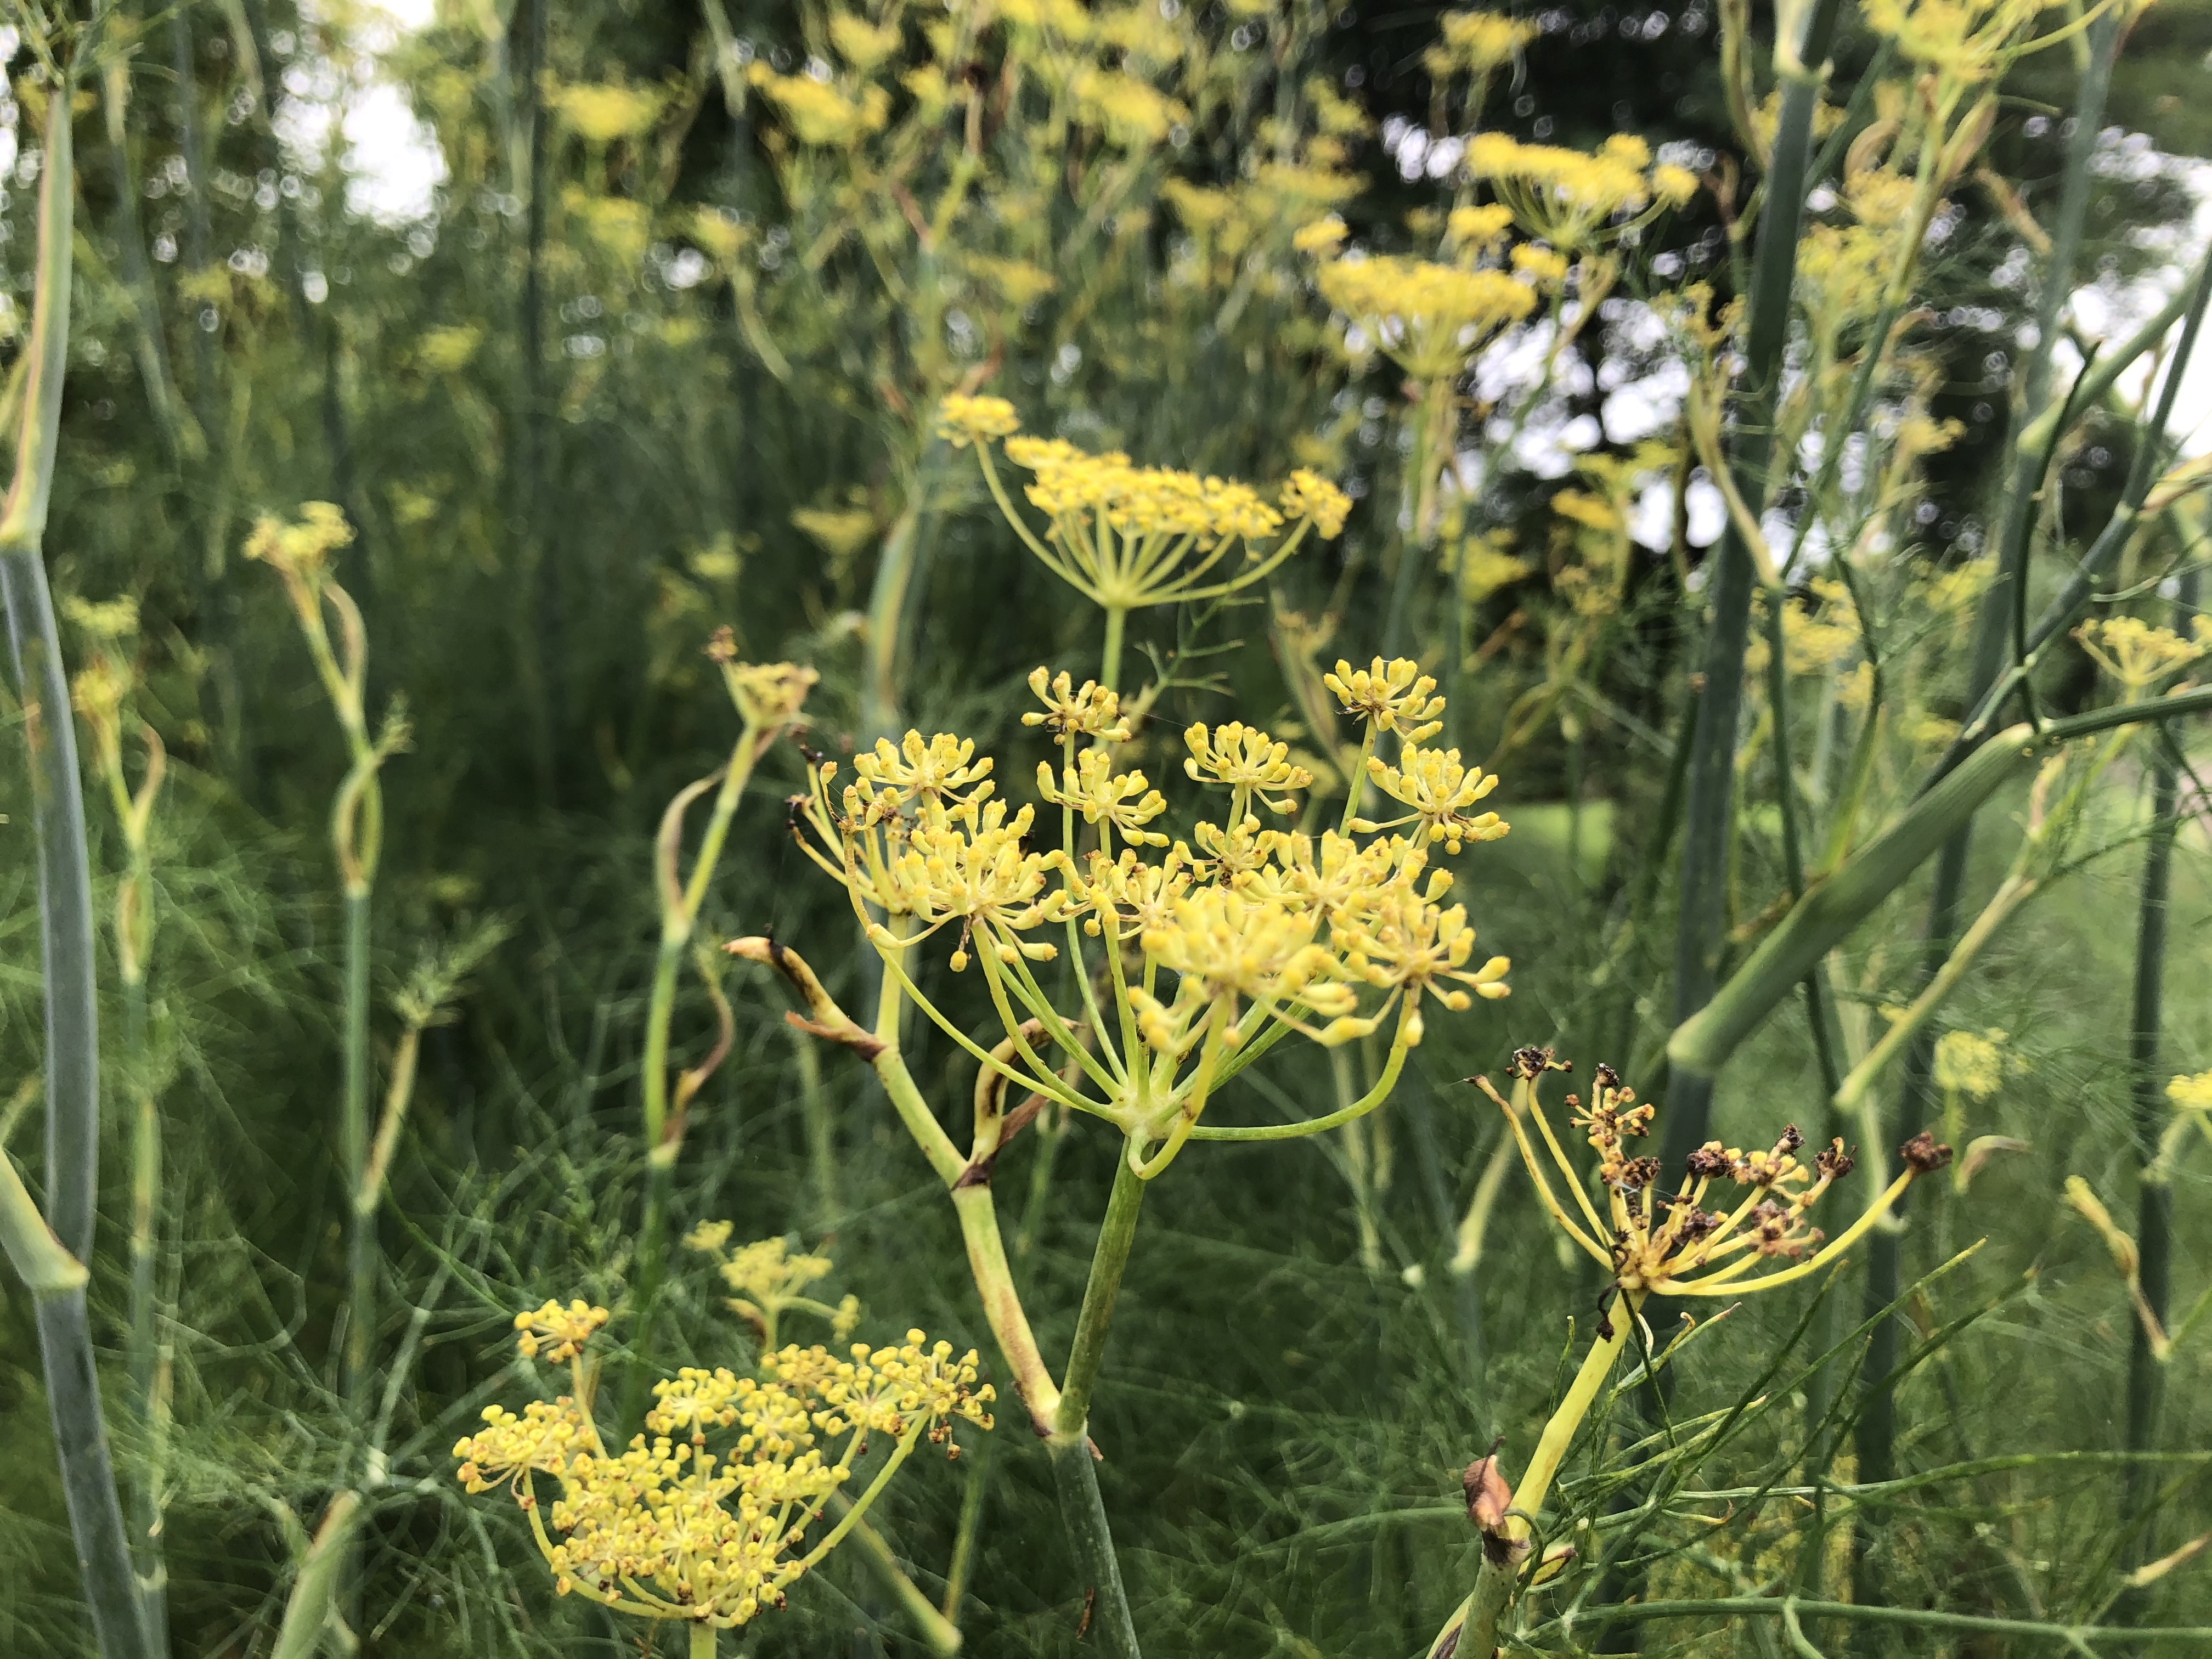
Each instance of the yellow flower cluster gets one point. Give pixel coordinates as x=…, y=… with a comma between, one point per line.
x=1129, y=535
x=302, y=549
x=1969, y=40
x=1392, y=696
x=1241, y=933
x=670, y=1529
x=819, y=113
x=1429, y=318
x=1476, y=43
x=1576, y=200
x=1652, y=1241
x=2139, y=655
x=1969, y=1062
x=2191, y=1094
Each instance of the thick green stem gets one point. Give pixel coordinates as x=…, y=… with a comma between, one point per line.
x=703, y=1637
x=1106, y=1603
x=353, y=1139
x=1109, y=656
x=65, y=925
x=1709, y=809
x=1116, y=1233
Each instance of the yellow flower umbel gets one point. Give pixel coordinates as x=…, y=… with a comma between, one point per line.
x=770, y=1281
x=1126, y=536
x=1649, y=1239
x=1577, y=200
x=1428, y=319
x=1218, y=942
x=2139, y=655
x=670, y=1529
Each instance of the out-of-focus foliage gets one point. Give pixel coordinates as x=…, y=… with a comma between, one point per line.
x=607, y=327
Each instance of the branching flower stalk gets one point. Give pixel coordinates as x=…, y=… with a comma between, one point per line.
x=669, y=1530
x=1647, y=1241
x=51, y=1251
x=102, y=691
x=301, y=554
x=1211, y=957
x=1128, y=537
x=767, y=698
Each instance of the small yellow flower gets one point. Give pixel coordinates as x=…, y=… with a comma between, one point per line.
x=1123, y=802
x=1440, y=788
x=1092, y=712
x=961, y=420
x=1307, y=495
x=1429, y=318
x=302, y=548
x=1244, y=758
x=560, y=1332
x=1392, y=696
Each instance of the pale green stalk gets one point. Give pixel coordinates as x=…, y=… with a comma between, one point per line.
x=1471, y=1629
x=681, y=901
x=65, y=938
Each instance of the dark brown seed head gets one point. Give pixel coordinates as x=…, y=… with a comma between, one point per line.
x=1835, y=1162
x=1531, y=1062
x=1606, y=1077
x=1792, y=1139
x=1924, y=1153
x=1638, y=1172
x=1710, y=1162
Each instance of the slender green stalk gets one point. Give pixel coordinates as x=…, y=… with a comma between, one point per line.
x=821, y=1134
x=1912, y=1619
x=322, y=1574
x=702, y=1640
x=1709, y=804
x=1473, y=1628
x=969, y=1533
x=938, y=1632
x=353, y=1141
x=144, y=1353
x=681, y=899
x=2150, y=1114
x=879, y=700
x=65, y=927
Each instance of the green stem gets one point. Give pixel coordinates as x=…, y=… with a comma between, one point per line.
x=1116, y=1233
x=2151, y=1113
x=702, y=1640
x=966, y=1536
x=1084, y=1511
x=144, y=1355
x=65, y=924
x=941, y=1635
x=1709, y=805
x=879, y=700
x=1109, y=658
x=322, y=1574
x=821, y=1133
x=1473, y=1628
x=353, y=1139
